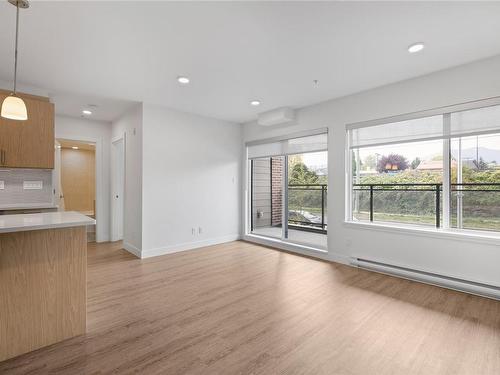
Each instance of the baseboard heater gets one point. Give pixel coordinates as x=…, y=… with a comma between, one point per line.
x=462, y=285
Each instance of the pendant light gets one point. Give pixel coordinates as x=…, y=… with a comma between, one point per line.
x=13, y=107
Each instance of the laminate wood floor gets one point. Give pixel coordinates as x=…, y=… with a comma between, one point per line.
x=239, y=308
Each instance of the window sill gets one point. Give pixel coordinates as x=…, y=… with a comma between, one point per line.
x=467, y=235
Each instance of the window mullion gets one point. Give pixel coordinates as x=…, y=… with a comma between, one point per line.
x=446, y=171
x=284, y=197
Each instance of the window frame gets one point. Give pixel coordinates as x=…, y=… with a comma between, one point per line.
x=445, y=112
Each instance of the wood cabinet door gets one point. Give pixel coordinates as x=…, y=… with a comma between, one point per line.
x=30, y=143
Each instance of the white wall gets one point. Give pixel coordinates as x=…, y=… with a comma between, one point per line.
x=191, y=179
x=100, y=133
x=130, y=124
x=472, y=260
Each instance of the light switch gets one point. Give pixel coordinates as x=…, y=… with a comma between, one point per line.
x=2, y=185
x=33, y=185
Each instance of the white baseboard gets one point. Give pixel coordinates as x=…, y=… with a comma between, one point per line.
x=186, y=246
x=132, y=249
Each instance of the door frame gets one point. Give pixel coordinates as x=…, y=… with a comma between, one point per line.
x=100, y=228
x=114, y=231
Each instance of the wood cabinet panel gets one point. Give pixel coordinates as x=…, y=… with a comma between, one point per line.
x=42, y=288
x=30, y=143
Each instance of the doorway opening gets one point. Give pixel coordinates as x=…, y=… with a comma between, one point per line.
x=76, y=179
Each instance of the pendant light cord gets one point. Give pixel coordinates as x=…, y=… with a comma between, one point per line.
x=15, y=52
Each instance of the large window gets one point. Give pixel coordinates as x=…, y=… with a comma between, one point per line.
x=441, y=170
x=288, y=182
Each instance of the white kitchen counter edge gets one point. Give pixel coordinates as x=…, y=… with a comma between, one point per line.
x=33, y=206
x=45, y=220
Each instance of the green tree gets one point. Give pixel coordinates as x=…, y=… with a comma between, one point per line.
x=481, y=165
x=301, y=175
x=415, y=163
x=292, y=161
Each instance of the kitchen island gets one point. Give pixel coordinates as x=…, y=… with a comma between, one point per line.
x=43, y=267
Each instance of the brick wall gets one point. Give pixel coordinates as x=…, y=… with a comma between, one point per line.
x=276, y=190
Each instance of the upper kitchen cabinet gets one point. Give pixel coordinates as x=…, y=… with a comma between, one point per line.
x=30, y=143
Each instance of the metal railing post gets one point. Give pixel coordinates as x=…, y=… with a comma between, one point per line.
x=371, y=203
x=438, y=206
x=322, y=206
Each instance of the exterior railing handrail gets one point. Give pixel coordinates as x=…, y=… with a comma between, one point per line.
x=431, y=184
x=401, y=184
x=436, y=187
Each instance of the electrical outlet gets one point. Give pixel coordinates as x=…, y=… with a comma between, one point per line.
x=32, y=185
x=193, y=231
x=2, y=185
x=199, y=230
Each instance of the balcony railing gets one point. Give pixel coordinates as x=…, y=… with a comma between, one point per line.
x=310, y=200
x=435, y=188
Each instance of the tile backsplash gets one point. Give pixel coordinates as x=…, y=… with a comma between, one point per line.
x=22, y=187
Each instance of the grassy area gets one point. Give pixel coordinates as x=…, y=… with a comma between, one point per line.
x=313, y=210
x=473, y=223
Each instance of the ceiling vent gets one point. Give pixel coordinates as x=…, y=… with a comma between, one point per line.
x=276, y=116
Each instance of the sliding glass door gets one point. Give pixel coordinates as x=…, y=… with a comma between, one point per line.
x=288, y=190
x=307, y=198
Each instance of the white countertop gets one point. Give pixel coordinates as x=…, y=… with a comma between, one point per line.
x=31, y=206
x=45, y=220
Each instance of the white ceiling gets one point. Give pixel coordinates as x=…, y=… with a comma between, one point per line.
x=238, y=51
x=103, y=109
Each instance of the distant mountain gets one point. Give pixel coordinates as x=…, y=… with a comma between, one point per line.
x=487, y=154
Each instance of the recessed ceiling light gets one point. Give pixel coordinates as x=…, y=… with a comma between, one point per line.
x=255, y=103
x=416, y=47
x=183, y=80
x=74, y=147
x=86, y=112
